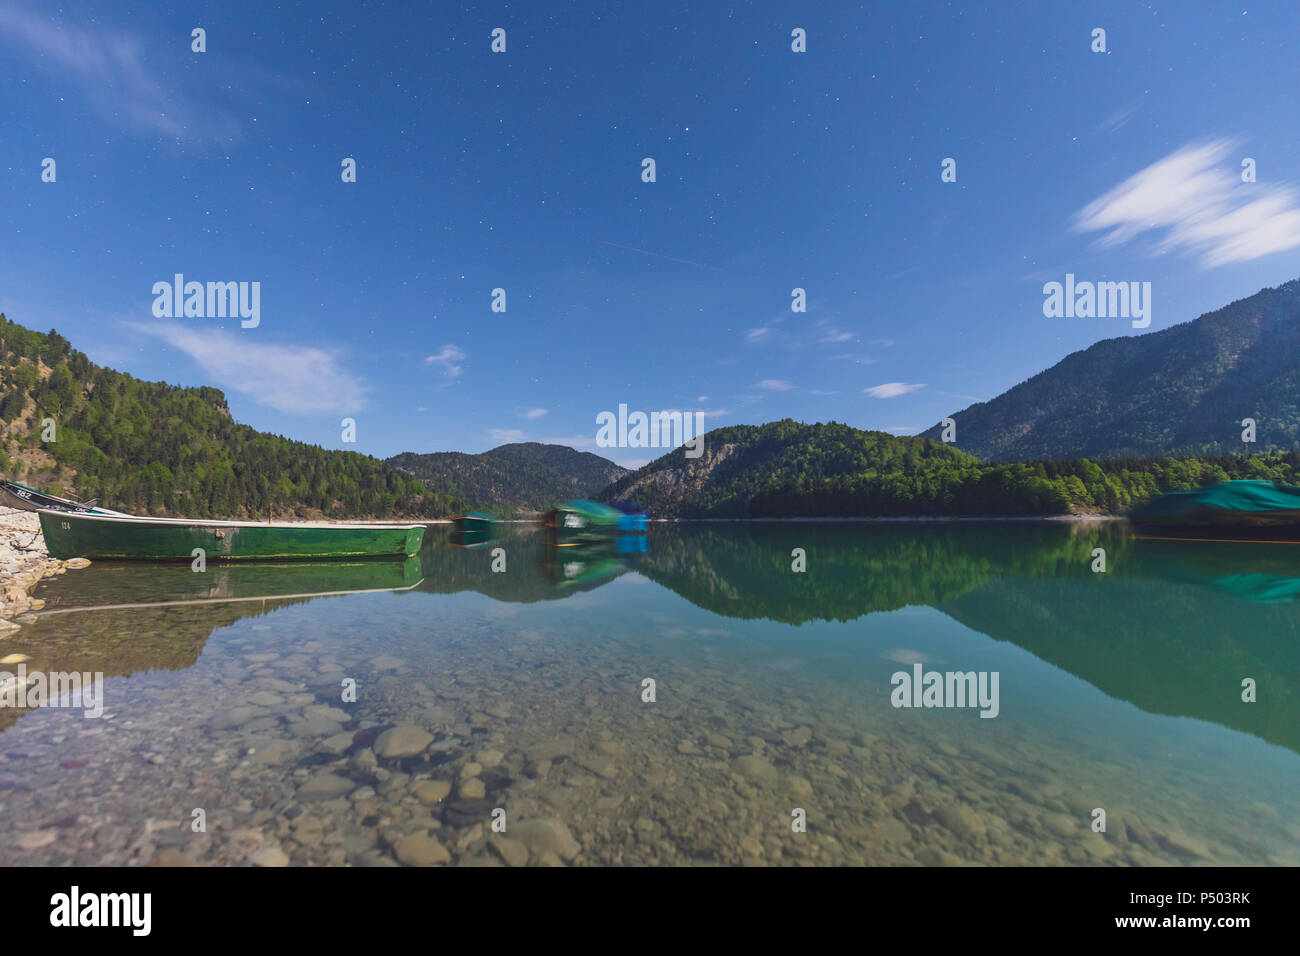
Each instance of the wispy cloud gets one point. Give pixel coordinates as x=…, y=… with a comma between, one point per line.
x=505, y=434
x=775, y=385
x=110, y=67
x=294, y=379
x=760, y=334
x=535, y=413
x=1199, y=206
x=891, y=389
x=829, y=333
x=1117, y=119
x=447, y=358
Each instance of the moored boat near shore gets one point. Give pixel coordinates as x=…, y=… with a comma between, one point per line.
x=473, y=521
x=29, y=499
x=69, y=535
x=1244, y=510
x=580, y=520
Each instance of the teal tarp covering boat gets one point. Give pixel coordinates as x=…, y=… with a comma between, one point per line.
x=581, y=520
x=1249, y=508
x=473, y=521
x=591, y=512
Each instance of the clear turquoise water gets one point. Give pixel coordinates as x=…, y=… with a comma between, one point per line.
x=1119, y=691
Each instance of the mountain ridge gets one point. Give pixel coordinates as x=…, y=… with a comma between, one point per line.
x=1184, y=390
x=794, y=469
x=514, y=477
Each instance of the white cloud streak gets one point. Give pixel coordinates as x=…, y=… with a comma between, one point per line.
x=110, y=67
x=447, y=358
x=1199, y=207
x=891, y=389
x=293, y=379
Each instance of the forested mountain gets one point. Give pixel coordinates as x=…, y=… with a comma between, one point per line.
x=790, y=469
x=522, y=476
x=154, y=448
x=1180, y=391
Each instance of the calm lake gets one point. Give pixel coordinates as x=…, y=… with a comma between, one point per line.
x=226, y=736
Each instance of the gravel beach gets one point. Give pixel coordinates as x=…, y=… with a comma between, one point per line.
x=23, y=562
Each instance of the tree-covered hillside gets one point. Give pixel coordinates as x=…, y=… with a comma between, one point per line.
x=1182, y=391
x=154, y=448
x=790, y=469
x=523, y=476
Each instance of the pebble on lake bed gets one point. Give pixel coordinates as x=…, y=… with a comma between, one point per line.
x=404, y=740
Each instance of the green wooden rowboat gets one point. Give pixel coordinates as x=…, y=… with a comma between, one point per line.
x=176, y=539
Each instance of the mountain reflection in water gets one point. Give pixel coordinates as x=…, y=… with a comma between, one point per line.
x=766, y=675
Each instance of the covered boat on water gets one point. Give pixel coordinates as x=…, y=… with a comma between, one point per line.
x=581, y=520
x=102, y=536
x=473, y=521
x=1246, y=510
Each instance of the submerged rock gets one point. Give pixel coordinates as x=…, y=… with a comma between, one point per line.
x=546, y=834
x=755, y=768
x=512, y=851
x=325, y=786
x=430, y=792
x=270, y=856
x=421, y=849
x=404, y=740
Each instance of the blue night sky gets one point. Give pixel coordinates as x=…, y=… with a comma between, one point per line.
x=522, y=170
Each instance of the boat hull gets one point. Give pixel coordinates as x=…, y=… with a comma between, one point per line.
x=475, y=521
x=170, y=539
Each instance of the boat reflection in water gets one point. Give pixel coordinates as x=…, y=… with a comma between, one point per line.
x=471, y=539
x=1120, y=689
x=119, y=619
x=1159, y=630
x=592, y=563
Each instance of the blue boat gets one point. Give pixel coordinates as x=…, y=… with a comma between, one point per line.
x=633, y=520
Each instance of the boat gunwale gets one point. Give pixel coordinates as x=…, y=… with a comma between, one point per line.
x=217, y=523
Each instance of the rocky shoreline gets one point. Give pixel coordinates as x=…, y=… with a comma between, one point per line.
x=24, y=562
